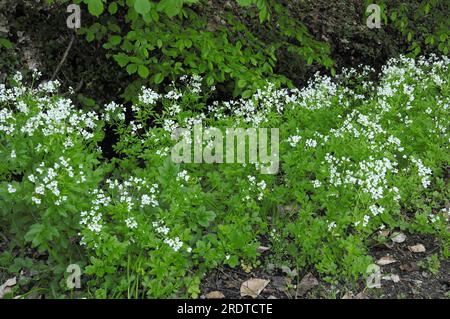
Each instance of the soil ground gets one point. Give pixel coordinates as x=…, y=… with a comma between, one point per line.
x=414, y=270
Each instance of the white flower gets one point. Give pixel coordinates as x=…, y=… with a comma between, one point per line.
x=375, y=210
x=293, y=140
x=36, y=200
x=148, y=96
x=149, y=200
x=49, y=87
x=175, y=243
x=316, y=183
x=366, y=220
x=131, y=223
x=11, y=189
x=331, y=226
x=183, y=176
x=18, y=77
x=311, y=143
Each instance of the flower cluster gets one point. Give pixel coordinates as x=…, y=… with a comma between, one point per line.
x=148, y=96
x=174, y=243
x=259, y=187
x=46, y=180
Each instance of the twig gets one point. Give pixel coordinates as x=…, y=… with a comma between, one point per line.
x=63, y=58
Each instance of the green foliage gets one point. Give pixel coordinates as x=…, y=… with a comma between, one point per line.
x=355, y=157
x=431, y=263
x=5, y=43
x=49, y=151
x=423, y=24
x=160, y=41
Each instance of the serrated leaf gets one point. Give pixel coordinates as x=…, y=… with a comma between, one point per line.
x=206, y=217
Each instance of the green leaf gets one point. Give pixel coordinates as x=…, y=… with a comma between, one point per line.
x=5, y=43
x=247, y=94
x=209, y=80
x=143, y=71
x=95, y=7
x=122, y=59
x=245, y=3
x=132, y=68
x=205, y=217
x=263, y=15
x=170, y=7
x=112, y=9
x=115, y=39
x=241, y=83
x=158, y=78
x=90, y=36
x=142, y=6
x=35, y=234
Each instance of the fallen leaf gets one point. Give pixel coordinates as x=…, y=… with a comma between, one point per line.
x=398, y=237
x=307, y=283
x=409, y=267
x=347, y=295
x=386, y=260
x=419, y=248
x=361, y=295
x=253, y=287
x=263, y=249
x=395, y=278
x=215, y=295
x=384, y=233
x=6, y=287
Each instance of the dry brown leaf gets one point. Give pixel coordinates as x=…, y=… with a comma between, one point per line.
x=409, y=267
x=347, y=295
x=395, y=278
x=398, y=237
x=6, y=287
x=307, y=283
x=215, y=295
x=361, y=295
x=263, y=249
x=386, y=260
x=384, y=233
x=253, y=287
x=419, y=248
